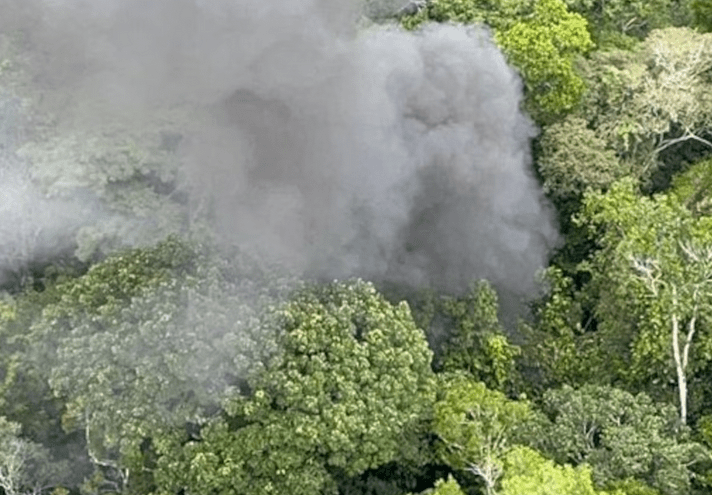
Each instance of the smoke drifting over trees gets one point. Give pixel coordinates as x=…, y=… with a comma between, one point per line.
x=339, y=152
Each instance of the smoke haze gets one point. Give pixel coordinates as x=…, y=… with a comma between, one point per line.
x=337, y=151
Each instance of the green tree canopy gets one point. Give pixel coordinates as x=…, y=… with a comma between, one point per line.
x=527, y=471
x=477, y=342
x=612, y=21
x=25, y=466
x=620, y=436
x=544, y=48
x=651, y=105
x=476, y=427
x=541, y=38
x=349, y=389
x=574, y=158
x=652, y=286
x=148, y=340
x=702, y=14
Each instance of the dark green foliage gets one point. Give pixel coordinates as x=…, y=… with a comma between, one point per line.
x=702, y=14
x=465, y=333
x=560, y=345
x=477, y=342
x=632, y=486
x=613, y=20
x=26, y=399
x=394, y=479
x=498, y=14
x=694, y=188
x=25, y=466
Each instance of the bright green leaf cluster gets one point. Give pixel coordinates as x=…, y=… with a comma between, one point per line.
x=540, y=38
x=527, y=471
x=477, y=427
x=543, y=48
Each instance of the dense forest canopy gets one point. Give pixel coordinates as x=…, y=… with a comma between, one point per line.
x=355, y=247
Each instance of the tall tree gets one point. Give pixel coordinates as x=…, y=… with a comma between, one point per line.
x=653, y=281
x=26, y=468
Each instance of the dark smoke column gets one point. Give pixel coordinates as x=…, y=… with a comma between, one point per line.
x=379, y=153
x=384, y=154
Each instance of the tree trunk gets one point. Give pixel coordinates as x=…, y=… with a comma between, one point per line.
x=681, y=379
x=679, y=365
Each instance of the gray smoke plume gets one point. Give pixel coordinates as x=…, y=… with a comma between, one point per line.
x=371, y=152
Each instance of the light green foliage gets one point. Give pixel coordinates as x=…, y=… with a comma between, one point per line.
x=676, y=89
x=349, y=390
x=574, y=158
x=477, y=342
x=26, y=467
x=449, y=487
x=652, y=105
x=632, y=486
x=477, y=427
x=620, y=436
x=543, y=48
x=528, y=472
x=7, y=310
x=651, y=281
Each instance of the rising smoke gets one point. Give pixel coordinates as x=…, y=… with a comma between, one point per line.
x=371, y=152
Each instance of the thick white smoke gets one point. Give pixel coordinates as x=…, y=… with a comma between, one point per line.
x=339, y=151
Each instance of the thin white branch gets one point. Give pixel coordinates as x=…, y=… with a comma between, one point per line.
x=687, y=135
x=688, y=341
